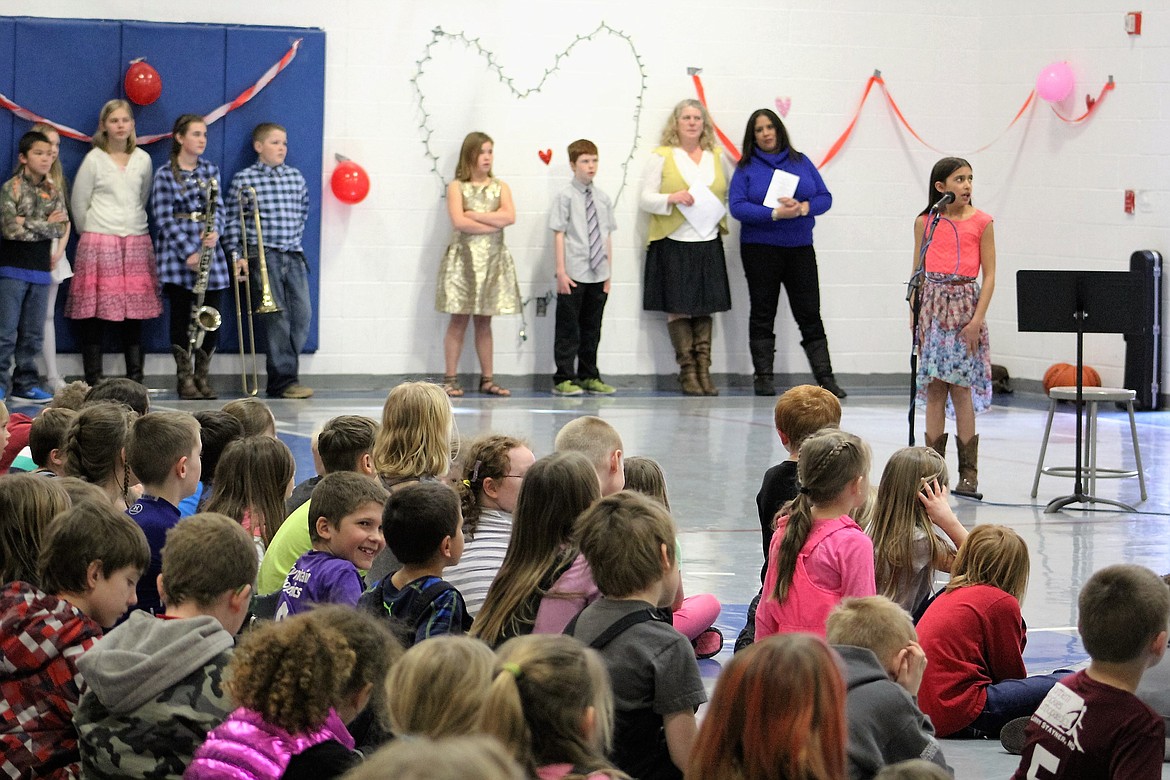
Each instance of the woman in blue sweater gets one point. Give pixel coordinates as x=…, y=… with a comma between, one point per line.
x=776, y=246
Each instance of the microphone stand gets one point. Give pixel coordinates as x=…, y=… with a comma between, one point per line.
x=914, y=296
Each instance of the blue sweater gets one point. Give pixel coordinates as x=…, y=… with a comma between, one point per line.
x=750, y=183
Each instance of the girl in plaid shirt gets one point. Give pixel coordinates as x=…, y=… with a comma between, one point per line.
x=178, y=201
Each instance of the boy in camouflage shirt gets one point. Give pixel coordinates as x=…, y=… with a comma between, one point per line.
x=155, y=684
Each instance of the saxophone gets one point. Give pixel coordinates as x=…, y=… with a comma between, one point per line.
x=204, y=319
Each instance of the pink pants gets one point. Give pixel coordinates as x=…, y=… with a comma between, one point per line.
x=696, y=615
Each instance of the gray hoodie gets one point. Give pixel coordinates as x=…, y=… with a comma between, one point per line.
x=154, y=690
x=885, y=724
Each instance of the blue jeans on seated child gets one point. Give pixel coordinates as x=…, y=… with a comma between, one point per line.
x=1011, y=699
x=22, y=331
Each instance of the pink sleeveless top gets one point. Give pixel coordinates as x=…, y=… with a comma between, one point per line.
x=940, y=258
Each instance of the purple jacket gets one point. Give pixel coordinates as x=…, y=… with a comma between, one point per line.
x=245, y=747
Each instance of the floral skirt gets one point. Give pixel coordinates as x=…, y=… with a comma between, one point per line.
x=115, y=278
x=942, y=355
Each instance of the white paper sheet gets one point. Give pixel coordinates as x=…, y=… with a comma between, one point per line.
x=706, y=212
x=783, y=185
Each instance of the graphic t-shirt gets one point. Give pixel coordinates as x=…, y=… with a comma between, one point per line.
x=318, y=578
x=1088, y=730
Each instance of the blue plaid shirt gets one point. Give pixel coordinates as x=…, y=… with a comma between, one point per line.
x=177, y=238
x=284, y=207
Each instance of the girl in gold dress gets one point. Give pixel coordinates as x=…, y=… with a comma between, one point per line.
x=477, y=278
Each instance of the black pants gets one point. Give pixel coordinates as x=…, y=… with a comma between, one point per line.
x=578, y=331
x=768, y=268
x=90, y=331
x=180, y=300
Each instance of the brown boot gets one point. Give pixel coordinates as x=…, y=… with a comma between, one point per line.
x=939, y=445
x=701, y=327
x=682, y=339
x=202, y=369
x=968, y=468
x=185, y=381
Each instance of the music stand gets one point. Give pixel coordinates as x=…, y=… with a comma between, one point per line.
x=1079, y=302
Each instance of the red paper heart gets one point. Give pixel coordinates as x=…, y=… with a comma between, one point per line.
x=545, y=156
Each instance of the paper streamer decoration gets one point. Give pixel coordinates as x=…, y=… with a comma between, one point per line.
x=214, y=116
x=1091, y=106
x=731, y=148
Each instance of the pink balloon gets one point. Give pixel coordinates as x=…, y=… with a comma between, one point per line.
x=1055, y=82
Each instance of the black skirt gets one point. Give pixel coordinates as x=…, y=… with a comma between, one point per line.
x=686, y=277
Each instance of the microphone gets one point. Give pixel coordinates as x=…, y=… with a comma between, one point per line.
x=947, y=197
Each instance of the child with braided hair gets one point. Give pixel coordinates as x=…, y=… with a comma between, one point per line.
x=819, y=555
x=298, y=683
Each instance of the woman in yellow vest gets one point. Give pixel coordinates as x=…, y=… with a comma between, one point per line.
x=684, y=189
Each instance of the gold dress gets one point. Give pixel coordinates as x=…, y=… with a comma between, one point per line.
x=477, y=275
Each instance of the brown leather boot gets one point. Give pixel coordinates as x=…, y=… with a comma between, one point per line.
x=185, y=382
x=939, y=445
x=682, y=338
x=968, y=468
x=701, y=328
x=202, y=369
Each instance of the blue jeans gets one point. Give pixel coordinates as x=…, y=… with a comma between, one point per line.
x=288, y=329
x=22, y=331
x=1011, y=699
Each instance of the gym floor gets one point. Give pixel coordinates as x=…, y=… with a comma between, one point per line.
x=715, y=450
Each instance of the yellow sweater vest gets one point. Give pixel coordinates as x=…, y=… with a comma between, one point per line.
x=673, y=181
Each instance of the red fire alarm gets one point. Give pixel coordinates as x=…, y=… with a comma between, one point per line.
x=1133, y=22
x=1130, y=201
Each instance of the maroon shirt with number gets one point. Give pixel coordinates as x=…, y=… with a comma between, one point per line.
x=1088, y=730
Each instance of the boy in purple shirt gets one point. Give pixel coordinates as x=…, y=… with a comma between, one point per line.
x=165, y=453
x=345, y=526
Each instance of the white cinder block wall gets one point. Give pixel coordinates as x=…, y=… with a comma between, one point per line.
x=1055, y=189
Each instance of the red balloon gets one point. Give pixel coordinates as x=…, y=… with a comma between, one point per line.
x=350, y=182
x=143, y=84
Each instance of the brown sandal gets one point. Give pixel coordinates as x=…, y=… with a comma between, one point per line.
x=488, y=387
x=451, y=387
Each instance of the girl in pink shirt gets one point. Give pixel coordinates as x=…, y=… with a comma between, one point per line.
x=819, y=555
x=954, y=244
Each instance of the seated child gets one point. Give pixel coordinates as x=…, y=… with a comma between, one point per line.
x=1091, y=724
x=46, y=440
x=156, y=684
x=1154, y=689
x=424, y=530
x=800, y=412
x=974, y=635
x=440, y=759
x=89, y=561
x=217, y=430
x=438, y=689
x=298, y=684
x=883, y=665
x=344, y=444
x=163, y=452
x=120, y=390
x=27, y=505
x=346, y=535
x=600, y=442
x=629, y=541
x=254, y=415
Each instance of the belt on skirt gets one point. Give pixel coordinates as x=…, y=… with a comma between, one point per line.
x=949, y=279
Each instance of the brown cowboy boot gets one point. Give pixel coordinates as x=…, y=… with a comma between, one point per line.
x=185, y=382
x=968, y=468
x=682, y=338
x=701, y=327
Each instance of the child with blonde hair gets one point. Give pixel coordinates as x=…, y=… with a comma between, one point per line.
x=544, y=580
x=438, y=688
x=974, y=636
x=693, y=616
x=601, y=443
x=440, y=759
x=819, y=555
x=915, y=533
x=298, y=684
x=27, y=503
x=550, y=704
x=254, y=415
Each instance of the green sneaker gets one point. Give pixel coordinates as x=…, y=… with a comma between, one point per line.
x=596, y=387
x=568, y=387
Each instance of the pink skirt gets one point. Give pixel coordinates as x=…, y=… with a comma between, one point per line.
x=114, y=278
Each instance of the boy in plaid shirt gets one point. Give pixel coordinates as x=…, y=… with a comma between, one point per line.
x=282, y=198
x=32, y=214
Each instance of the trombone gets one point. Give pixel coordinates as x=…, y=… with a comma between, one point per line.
x=267, y=302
